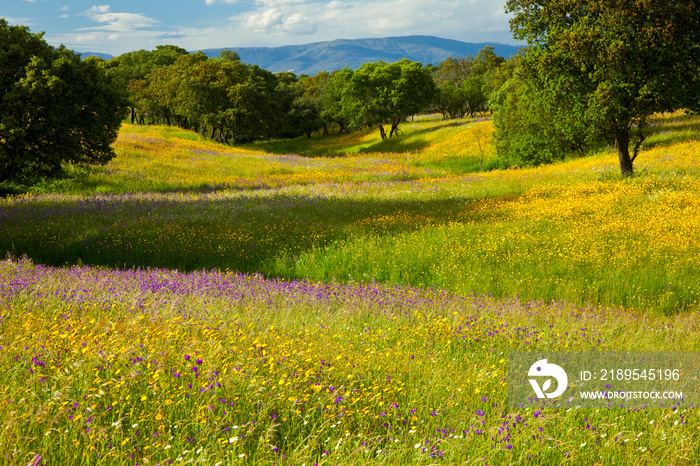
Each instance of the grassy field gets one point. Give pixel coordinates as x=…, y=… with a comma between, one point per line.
x=341, y=300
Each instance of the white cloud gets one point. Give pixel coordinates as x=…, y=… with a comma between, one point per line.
x=117, y=22
x=265, y=20
x=299, y=24
x=374, y=18
x=115, y=32
x=64, y=8
x=287, y=22
x=98, y=9
x=273, y=20
x=17, y=21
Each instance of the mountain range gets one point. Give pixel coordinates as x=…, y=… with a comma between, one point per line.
x=311, y=58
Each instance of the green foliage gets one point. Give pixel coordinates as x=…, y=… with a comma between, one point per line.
x=530, y=130
x=612, y=63
x=233, y=102
x=486, y=61
x=333, y=111
x=129, y=72
x=474, y=89
x=55, y=108
x=453, y=70
x=307, y=108
x=226, y=98
x=229, y=54
x=469, y=98
x=451, y=100
x=379, y=94
x=466, y=84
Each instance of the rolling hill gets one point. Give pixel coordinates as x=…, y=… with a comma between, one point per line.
x=333, y=55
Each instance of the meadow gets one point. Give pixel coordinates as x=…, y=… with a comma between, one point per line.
x=341, y=300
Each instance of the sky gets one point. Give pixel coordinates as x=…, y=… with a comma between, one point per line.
x=127, y=25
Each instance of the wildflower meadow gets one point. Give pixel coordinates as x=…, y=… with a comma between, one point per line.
x=341, y=300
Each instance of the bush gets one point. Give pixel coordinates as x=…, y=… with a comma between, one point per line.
x=54, y=107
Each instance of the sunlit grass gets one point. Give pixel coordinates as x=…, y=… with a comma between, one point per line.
x=170, y=159
x=408, y=274
x=154, y=159
x=148, y=367
x=573, y=230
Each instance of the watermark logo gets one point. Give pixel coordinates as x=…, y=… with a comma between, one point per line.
x=544, y=369
x=596, y=379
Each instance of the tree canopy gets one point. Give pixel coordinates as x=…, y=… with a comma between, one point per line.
x=380, y=93
x=465, y=84
x=231, y=101
x=610, y=64
x=54, y=108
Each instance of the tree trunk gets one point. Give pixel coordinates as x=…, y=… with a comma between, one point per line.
x=382, y=133
x=394, y=128
x=213, y=132
x=622, y=141
x=133, y=115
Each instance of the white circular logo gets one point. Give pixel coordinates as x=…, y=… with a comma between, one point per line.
x=543, y=369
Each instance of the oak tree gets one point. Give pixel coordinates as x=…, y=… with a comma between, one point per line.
x=616, y=62
x=54, y=108
x=380, y=93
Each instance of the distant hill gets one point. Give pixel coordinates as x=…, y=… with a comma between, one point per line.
x=104, y=56
x=334, y=55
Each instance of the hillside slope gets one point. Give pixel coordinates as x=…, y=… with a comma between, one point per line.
x=328, y=56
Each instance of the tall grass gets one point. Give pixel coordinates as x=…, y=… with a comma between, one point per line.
x=381, y=294
x=570, y=231
x=155, y=366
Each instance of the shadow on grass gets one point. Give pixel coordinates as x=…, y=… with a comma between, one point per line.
x=332, y=145
x=667, y=131
x=408, y=140
x=201, y=232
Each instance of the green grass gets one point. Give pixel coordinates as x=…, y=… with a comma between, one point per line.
x=109, y=367
x=413, y=136
x=673, y=130
x=573, y=231
x=416, y=274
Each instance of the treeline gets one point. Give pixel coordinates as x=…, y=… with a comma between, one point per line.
x=594, y=73
x=233, y=102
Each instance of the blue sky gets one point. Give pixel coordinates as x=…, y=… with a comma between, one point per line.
x=118, y=27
